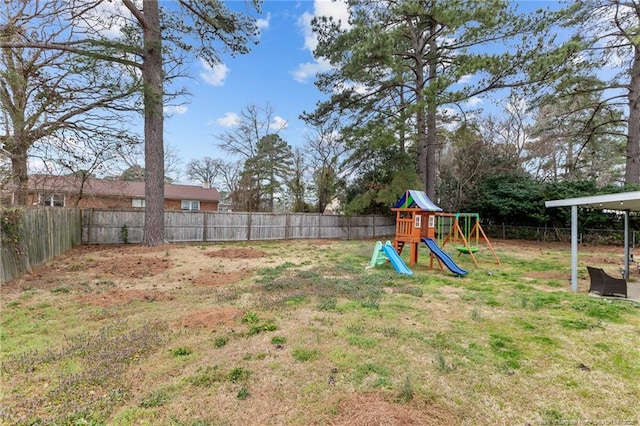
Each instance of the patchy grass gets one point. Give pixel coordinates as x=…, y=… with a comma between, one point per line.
x=299, y=332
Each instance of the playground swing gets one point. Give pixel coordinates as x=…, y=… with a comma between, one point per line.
x=464, y=231
x=469, y=233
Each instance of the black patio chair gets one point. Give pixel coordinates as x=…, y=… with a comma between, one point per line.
x=606, y=285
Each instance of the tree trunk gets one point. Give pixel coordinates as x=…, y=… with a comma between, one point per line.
x=421, y=135
x=432, y=131
x=20, y=176
x=632, y=173
x=152, y=75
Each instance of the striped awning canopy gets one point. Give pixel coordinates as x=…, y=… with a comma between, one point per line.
x=416, y=199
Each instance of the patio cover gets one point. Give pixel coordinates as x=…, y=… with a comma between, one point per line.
x=414, y=198
x=624, y=201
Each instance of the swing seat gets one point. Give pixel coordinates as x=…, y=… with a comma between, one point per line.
x=467, y=250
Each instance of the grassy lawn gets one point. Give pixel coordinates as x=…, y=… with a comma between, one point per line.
x=299, y=332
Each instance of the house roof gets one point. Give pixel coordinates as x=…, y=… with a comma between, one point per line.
x=416, y=199
x=118, y=188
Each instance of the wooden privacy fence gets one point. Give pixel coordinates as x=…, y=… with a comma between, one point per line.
x=33, y=235
x=40, y=233
x=118, y=226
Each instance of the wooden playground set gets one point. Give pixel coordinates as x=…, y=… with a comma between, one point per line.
x=419, y=221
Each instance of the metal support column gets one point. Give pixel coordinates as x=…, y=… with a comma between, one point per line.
x=574, y=248
x=626, y=244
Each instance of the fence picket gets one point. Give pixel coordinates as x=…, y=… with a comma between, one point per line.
x=45, y=232
x=104, y=226
x=48, y=232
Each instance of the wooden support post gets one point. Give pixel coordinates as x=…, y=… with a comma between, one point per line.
x=204, y=226
x=486, y=239
x=413, y=256
x=90, y=226
x=249, y=227
x=287, y=225
x=374, y=226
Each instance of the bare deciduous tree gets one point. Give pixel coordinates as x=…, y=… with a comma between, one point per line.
x=52, y=96
x=205, y=170
x=326, y=151
x=148, y=38
x=254, y=123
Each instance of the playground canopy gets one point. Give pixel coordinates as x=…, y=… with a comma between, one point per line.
x=414, y=198
x=624, y=202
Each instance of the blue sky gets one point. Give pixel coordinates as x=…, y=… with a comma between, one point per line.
x=279, y=71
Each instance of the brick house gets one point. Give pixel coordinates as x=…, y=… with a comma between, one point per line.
x=69, y=191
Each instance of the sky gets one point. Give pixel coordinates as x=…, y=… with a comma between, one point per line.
x=279, y=72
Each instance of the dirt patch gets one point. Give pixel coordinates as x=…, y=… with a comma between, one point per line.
x=600, y=260
x=126, y=248
x=373, y=409
x=238, y=253
x=213, y=278
x=118, y=263
x=210, y=318
x=131, y=267
x=122, y=296
x=547, y=275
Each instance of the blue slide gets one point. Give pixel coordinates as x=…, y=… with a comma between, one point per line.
x=444, y=257
x=396, y=260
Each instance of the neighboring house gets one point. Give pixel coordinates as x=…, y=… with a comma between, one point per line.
x=69, y=191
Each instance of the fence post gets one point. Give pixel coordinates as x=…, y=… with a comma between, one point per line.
x=319, y=228
x=78, y=219
x=287, y=225
x=90, y=226
x=204, y=226
x=374, y=225
x=249, y=227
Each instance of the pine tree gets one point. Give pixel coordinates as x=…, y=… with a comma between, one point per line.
x=396, y=63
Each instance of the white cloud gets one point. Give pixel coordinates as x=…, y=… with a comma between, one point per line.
x=359, y=88
x=308, y=70
x=175, y=109
x=310, y=40
x=451, y=117
x=339, y=10
x=465, y=79
x=474, y=101
x=263, y=24
x=604, y=28
x=108, y=18
x=278, y=123
x=448, y=112
x=230, y=119
x=213, y=75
